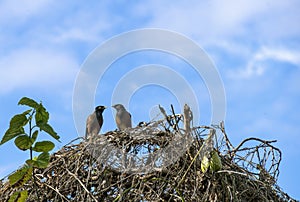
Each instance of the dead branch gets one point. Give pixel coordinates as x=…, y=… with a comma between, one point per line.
x=158, y=162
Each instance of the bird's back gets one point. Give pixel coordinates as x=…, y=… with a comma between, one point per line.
x=123, y=119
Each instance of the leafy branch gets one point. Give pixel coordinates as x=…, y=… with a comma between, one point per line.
x=36, y=118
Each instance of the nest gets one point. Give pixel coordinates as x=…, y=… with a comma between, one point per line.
x=158, y=161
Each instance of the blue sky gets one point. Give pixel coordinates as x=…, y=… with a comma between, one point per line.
x=255, y=46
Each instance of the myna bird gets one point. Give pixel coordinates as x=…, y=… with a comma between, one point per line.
x=94, y=122
x=123, y=117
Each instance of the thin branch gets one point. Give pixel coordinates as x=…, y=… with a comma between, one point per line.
x=83, y=186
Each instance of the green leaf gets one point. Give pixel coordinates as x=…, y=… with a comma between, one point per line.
x=12, y=133
x=23, y=142
x=213, y=163
x=43, y=160
x=48, y=129
x=41, y=115
x=27, y=111
x=30, y=162
x=34, y=135
x=18, y=121
x=19, y=196
x=216, y=163
x=20, y=177
x=16, y=125
x=28, y=102
x=14, y=197
x=43, y=146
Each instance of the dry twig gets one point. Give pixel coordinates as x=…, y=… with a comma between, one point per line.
x=130, y=166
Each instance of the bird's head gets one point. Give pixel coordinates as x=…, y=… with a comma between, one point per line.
x=100, y=109
x=118, y=107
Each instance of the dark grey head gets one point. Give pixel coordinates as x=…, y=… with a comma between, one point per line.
x=99, y=110
x=118, y=107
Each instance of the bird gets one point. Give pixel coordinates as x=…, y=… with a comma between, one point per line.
x=94, y=122
x=123, y=117
x=188, y=118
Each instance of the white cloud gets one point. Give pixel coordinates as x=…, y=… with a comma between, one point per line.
x=51, y=24
x=219, y=19
x=283, y=55
x=18, y=11
x=254, y=66
x=36, y=68
x=83, y=25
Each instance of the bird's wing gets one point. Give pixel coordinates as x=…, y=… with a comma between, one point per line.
x=90, y=124
x=118, y=121
x=123, y=119
x=127, y=119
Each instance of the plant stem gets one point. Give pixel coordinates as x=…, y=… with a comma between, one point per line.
x=30, y=134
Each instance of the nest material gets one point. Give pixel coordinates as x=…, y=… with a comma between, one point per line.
x=129, y=166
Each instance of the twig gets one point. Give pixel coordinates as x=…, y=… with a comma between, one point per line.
x=54, y=189
x=72, y=174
